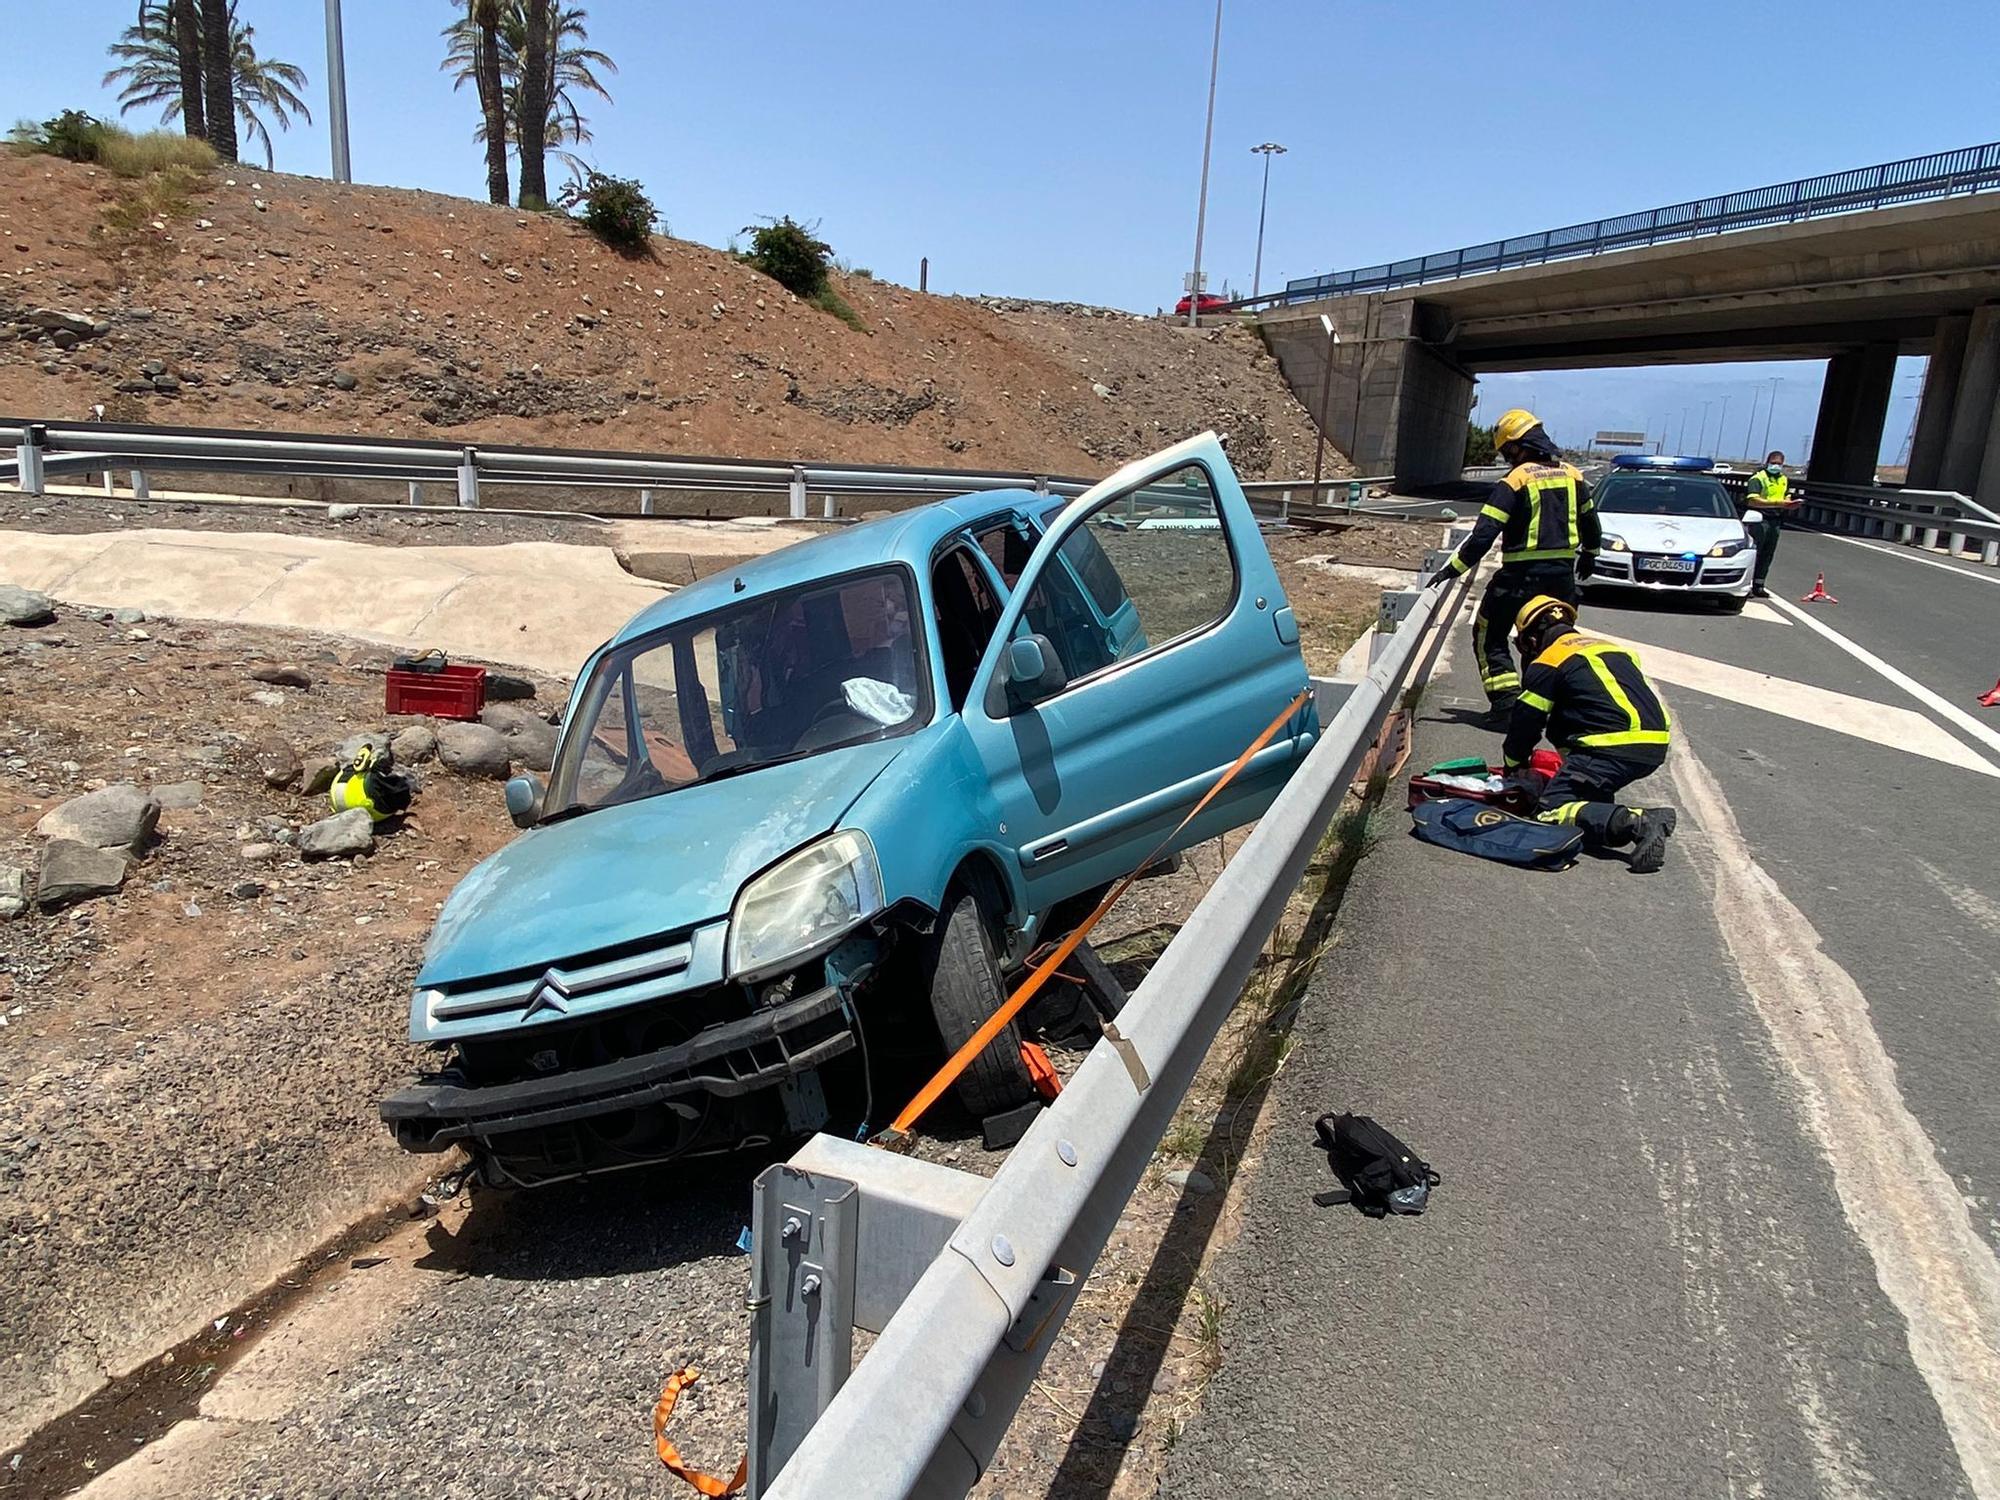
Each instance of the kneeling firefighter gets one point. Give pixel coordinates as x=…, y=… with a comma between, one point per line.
x=1594, y=703
x=1548, y=533
x=371, y=780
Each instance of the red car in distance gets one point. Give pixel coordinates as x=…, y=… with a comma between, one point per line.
x=1208, y=303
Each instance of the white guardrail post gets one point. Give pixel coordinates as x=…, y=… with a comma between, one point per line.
x=28, y=461
x=968, y=1280
x=798, y=495
x=468, y=480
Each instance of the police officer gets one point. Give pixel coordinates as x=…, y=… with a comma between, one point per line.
x=1594, y=703
x=1548, y=533
x=1770, y=497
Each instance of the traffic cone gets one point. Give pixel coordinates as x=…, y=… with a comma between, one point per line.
x=1819, y=595
x=1992, y=699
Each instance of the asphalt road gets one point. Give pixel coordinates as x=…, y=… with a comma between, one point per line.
x=1720, y=1147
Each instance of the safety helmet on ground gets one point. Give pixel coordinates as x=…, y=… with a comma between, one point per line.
x=371, y=781
x=1542, y=612
x=1513, y=426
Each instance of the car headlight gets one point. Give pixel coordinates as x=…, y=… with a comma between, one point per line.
x=804, y=900
x=1614, y=543
x=1727, y=549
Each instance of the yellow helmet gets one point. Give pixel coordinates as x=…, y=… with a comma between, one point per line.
x=1544, y=609
x=1513, y=426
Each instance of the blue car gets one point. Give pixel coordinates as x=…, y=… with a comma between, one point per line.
x=806, y=815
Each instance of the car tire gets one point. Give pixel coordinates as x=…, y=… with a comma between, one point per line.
x=965, y=990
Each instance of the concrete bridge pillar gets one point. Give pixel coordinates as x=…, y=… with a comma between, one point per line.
x=1972, y=407
x=1941, y=379
x=1853, y=406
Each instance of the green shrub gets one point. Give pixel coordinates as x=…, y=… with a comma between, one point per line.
x=827, y=300
x=72, y=135
x=615, y=209
x=791, y=255
x=129, y=155
x=1479, y=449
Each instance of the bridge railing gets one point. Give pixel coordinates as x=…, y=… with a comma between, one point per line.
x=1945, y=174
x=1932, y=519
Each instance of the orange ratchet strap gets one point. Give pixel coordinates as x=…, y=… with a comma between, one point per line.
x=1038, y=976
x=707, y=1484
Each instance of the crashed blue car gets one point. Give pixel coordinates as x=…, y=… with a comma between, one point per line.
x=805, y=816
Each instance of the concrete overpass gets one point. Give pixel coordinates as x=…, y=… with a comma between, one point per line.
x=1856, y=289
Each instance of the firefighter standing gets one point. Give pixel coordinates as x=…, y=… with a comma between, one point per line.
x=1548, y=533
x=1769, y=495
x=1594, y=703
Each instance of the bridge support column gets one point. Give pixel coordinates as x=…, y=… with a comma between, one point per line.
x=1941, y=381
x=1972, y=408
x=1853, y=406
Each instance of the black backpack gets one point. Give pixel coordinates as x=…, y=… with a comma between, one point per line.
x=1379, y=1174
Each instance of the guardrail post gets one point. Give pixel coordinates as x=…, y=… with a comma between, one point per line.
x=645, y=502
x=831, y=507
x=1394, y=609
x=1989, y=553
x=110, y=488
x=798, y=507
x=1041, y=484
x=1954, y=542
x=29, y=457
x=468, y=480
x=1928, y=537
x=416, y=493
x=140, y=489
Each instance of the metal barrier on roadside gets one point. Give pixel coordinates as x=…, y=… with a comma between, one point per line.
x=1936, y=520
x=967, y=1280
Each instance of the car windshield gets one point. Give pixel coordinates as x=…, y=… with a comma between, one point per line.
x=1662, y=495
x=775, y=678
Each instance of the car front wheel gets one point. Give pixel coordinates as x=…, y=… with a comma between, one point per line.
x=965, y=990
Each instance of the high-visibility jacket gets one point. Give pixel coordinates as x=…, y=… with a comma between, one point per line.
x=1768, y=491
x=1587, y=694
x=1538, y=513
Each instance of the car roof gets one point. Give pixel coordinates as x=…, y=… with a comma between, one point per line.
x=1660, y=463
x=907, y=536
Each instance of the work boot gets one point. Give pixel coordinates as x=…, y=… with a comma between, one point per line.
x=1758, y=591
x=1654, y=827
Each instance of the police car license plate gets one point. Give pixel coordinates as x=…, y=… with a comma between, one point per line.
x=1667, y=564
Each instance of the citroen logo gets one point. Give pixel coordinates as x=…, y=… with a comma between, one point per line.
x=549, y=993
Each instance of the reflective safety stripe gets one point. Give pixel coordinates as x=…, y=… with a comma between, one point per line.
x=1594, y=654
x=1625, y=737
x=1457, y=564
x=1500, y=681
x=1537, y=702
x=1494, y=512
x=1564, y=814
x=1540, y=554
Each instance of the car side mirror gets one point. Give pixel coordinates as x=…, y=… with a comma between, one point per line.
x=524, y=800
x=1753, y=517
x=1033, y=672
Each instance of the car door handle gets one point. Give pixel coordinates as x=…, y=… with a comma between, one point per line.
x=1287, y=625
x=1047, y=850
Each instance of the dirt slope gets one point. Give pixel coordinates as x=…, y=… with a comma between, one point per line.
x=287, y=302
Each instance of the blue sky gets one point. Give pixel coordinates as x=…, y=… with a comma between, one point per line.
x=1053, y=149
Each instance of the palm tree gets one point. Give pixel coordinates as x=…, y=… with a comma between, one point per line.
x=218, y=96
x=537, y=94
x=567, y=67
x=152, y=67
x=483, y=17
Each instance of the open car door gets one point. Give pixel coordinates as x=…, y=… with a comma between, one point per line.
x=1146, y=644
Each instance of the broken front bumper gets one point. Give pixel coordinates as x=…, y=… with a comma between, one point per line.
x=737, y=1057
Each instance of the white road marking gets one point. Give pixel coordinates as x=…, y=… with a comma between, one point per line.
x=1864, y=719
x=1908, y=1213
x=1903, y=680
x=1909, y=554
x=1977, y=905
x=1757, y=609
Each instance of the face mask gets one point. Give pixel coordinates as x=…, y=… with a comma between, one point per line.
x=1771, y=469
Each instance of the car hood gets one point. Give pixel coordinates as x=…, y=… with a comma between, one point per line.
x=641, y=868
x=1671, y=533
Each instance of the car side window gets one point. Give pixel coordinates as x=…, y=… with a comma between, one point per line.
x=966, y=612
x=1008, y=547
x=1144, y=569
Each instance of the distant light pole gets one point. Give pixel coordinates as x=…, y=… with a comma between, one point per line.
x=1325, y=399
x=1722, y=417
x=1681, y=437
x=1702, y=441
x=1207, y=138
x=336, y=94
x=1776, y=381
x=1268, y=150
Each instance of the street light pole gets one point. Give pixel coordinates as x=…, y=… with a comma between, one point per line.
x=1776, y=381
x=336, y=94
x=1325, y=399
x=1268, y=150
x=1721, y=421
x=1702, y=441
x=1201, y=208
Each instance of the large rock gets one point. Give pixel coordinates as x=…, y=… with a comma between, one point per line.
x=118, y=817
x=503, y=687
x=347, y=749
x=316, y=774
x=73, y=872
x=414, y=745
x=350, y=832
x=531, y=739
x=19, y=606
x=13, y=892
x=474, y=749
x=282, y=676
x=277, y=762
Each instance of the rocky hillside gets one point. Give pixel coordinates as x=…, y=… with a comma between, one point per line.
x=259, y=300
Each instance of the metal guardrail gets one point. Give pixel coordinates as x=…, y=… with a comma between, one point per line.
x=968, y=1281
x=1932, y=519
x=41, y=450
x=1945, y=174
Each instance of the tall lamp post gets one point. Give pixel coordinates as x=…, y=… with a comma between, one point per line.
x=1776, y=381
x=1268, y=150
x=1325, y=397
x=336, y=94
x=1201, y=208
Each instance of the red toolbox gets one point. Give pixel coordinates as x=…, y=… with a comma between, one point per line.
x=430, y=685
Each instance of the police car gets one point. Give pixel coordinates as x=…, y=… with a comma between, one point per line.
x=1670, y=527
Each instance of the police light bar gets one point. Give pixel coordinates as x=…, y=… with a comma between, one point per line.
x=1668, y=461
